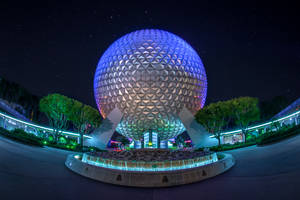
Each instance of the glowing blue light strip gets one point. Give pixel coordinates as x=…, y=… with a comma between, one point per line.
x=42, y=127
x=111, y=164
x=259, y=126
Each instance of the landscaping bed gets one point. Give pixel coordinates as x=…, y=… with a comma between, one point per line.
x=226, y=147
x=264, y=139
x=76, y=148
x=276, y=136
x=21, y=136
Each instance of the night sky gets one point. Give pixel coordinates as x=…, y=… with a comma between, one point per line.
x=248, y=49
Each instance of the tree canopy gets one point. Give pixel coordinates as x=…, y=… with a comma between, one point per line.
x=271, y=107
x=245, y=111
x=14, y=93
x=215, y=117
x=62, y=110
x=84, y=118
x=57, y=108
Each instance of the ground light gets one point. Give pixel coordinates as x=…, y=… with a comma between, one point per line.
x=153, y=166
x=150, y=167
x=260, y=125
x=44, y=128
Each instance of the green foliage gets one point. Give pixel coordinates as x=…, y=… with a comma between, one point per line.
x=50, y=138
x=226, y=147
x=57, y=108
x=72, y=142
x=275, y=125
x=14, y=93
x=20, y=135
x=62, y=140
x=251, y=137
x=61, y=110
x=215, y=117
x=267, y=138
x=23, y=137
x=65, y=146
x=275, y=136
x=84, y=118
x=245, y=111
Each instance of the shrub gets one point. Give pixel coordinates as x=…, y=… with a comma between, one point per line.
x=28, y=138
x=51, y=139
x=275, y=136
x=72, y=142
x=62, y=146
x=22, y=136
x=226, y=147
x=62, y=140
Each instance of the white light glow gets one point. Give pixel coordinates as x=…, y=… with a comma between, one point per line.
x=260, y=125
x=44, y=128
x=151, y=166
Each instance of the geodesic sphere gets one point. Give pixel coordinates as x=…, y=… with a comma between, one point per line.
x=150, y=75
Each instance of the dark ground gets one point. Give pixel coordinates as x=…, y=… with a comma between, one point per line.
x=270, y=172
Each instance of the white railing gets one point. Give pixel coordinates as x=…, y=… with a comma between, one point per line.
x=262, y=125
x=13, y=120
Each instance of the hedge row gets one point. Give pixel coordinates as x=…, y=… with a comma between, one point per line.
x=21, y=136
x=276, y=136
x=267, y=138
x=76, y=148
x=31, y=139
x=226, y=147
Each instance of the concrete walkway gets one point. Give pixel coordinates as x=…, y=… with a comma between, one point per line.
x=270, y=172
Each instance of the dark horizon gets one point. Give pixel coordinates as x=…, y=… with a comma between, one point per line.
x=249, y=50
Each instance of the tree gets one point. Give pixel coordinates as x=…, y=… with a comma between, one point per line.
x=14, y=93
x=245, y=110
x=273, y=106
x=57, y=109
x=215, y=117
x=84, y=118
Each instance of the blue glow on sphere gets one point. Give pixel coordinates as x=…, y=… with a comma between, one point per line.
x=150, y=75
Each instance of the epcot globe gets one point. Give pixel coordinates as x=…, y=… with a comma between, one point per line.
x=150, y=76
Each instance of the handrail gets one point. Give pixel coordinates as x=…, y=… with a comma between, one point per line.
x=87, y=136
x=45, y=128
x=258, y=126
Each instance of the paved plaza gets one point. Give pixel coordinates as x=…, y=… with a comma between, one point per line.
x=269, y=172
